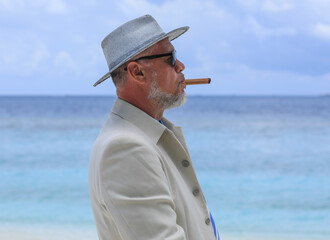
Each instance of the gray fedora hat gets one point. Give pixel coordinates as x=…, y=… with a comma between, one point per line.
x=132, y=38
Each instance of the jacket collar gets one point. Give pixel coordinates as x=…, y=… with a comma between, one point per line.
x=150, y=126
x=139, y=118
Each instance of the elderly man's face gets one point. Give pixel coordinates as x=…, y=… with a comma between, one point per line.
x=167, y=82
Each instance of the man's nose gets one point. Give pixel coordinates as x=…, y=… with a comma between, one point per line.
x=179, y=66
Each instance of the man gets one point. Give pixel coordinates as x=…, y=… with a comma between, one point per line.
x=141, y=178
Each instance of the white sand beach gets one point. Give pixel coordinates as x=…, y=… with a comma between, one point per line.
x=48, y=232
x=81, y=232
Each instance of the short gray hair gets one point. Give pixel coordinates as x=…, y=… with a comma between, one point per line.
x=119, y=76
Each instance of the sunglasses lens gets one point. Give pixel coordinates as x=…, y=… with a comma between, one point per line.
x=173, y=57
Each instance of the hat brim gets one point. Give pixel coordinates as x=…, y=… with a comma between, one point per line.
x=171, y=36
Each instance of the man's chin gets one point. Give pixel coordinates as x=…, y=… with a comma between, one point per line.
x=166, y=100
x=179, y=100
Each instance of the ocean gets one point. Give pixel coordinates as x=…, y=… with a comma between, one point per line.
x=263, y=164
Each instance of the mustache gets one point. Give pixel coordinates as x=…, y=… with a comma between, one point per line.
x=181, y=79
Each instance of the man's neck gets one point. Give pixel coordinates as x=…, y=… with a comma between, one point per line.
x=146, y=106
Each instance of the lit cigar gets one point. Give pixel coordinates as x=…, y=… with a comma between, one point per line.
x=198, y=81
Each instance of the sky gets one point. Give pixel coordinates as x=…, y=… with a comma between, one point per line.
x=247, y=47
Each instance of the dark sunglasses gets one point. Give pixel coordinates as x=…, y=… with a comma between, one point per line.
x=173, y=54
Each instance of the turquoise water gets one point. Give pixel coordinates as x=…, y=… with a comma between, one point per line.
x=263, y=162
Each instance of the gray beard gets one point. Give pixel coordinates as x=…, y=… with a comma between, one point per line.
x=165, y=100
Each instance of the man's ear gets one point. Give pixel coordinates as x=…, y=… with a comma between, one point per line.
x=136, y=71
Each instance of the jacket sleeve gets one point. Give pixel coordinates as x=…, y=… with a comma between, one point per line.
x=136, y=193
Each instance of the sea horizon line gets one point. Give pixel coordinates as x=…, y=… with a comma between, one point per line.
x=188, y=95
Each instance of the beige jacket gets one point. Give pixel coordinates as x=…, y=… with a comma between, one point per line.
x=142, y=181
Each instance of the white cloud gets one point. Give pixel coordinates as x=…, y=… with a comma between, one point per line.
x=223, y=35
x=205, y=63
x=322, y=31
x=183, y=10
x=48, y=6
x=263, y=32
x=277, y=6
x=5, y=3
x=39, y=54
x=56, y=6
x=63, y=62
x=274, y=6
x=240, y=79
x=248, y=3
x=12, y=6
x=22, y=54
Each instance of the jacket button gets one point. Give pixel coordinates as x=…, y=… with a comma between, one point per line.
x=185, y=163
x=207, y=221
x=195, y=192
